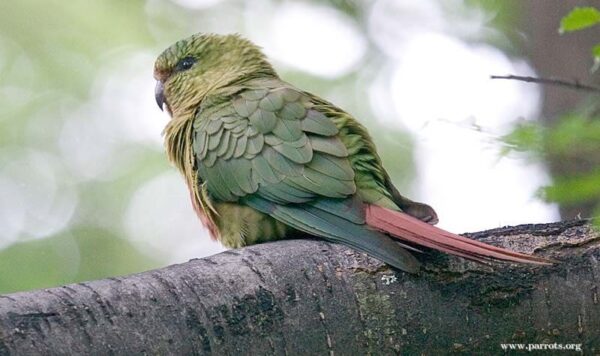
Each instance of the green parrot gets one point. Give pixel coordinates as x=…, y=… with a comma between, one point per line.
x=265, y=161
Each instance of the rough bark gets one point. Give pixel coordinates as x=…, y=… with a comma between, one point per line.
x=311, y=297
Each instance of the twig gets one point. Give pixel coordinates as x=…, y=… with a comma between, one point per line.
x=576, y=85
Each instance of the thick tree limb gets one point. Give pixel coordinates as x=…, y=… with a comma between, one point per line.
x=311, y=297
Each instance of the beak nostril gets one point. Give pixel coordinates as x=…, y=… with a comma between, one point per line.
x=159, y=94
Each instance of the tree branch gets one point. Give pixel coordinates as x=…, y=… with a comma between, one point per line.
x=576, y=85
x=311, y=297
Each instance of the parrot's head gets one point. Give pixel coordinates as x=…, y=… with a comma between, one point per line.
x=193, y=67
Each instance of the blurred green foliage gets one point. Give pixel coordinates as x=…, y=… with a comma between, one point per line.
x=575, y=137
x=79, y=255
x=51, y=55
x=581, y=18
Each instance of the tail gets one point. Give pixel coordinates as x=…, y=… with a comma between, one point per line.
x=409, y=229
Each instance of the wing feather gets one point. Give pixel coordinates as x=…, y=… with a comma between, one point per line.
x=271, y=142
x=271, y=149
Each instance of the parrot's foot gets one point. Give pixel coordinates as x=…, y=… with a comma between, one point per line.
x=421, y=211
x=417, y=210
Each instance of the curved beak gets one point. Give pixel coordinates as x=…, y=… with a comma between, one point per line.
x=159, y=94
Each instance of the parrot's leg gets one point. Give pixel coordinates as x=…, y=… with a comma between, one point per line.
x=415, y=209
x=420, y=211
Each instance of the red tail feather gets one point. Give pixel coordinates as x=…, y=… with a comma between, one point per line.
x=407, y=228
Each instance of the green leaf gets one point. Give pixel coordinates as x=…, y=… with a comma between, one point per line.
x=579, y=18
x=596, y=51
x=574, y=134
x=596, y=54
x=575, y=189
x=526, y=137
x=596, y=221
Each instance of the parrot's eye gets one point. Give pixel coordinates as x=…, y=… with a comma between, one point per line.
x=185, y=64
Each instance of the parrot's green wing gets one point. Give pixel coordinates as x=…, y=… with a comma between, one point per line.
x=271, y=149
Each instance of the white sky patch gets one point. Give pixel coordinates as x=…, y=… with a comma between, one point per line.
x=439, y=87
x=126, y=95
x=440, y=77
x=316, y=39
x=122, y=112
x=88, y=151
x=12, y=211
x=394, y=23
x=40, y=200
x=170, y=227
x=197, y=4
x=462, y=176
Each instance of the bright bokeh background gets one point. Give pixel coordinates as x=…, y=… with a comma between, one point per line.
x=85, y=188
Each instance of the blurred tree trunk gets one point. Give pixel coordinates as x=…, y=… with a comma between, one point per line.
x=566, y=56
x=301, y=297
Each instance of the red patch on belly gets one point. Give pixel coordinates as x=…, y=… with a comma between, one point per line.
x=212, y=228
